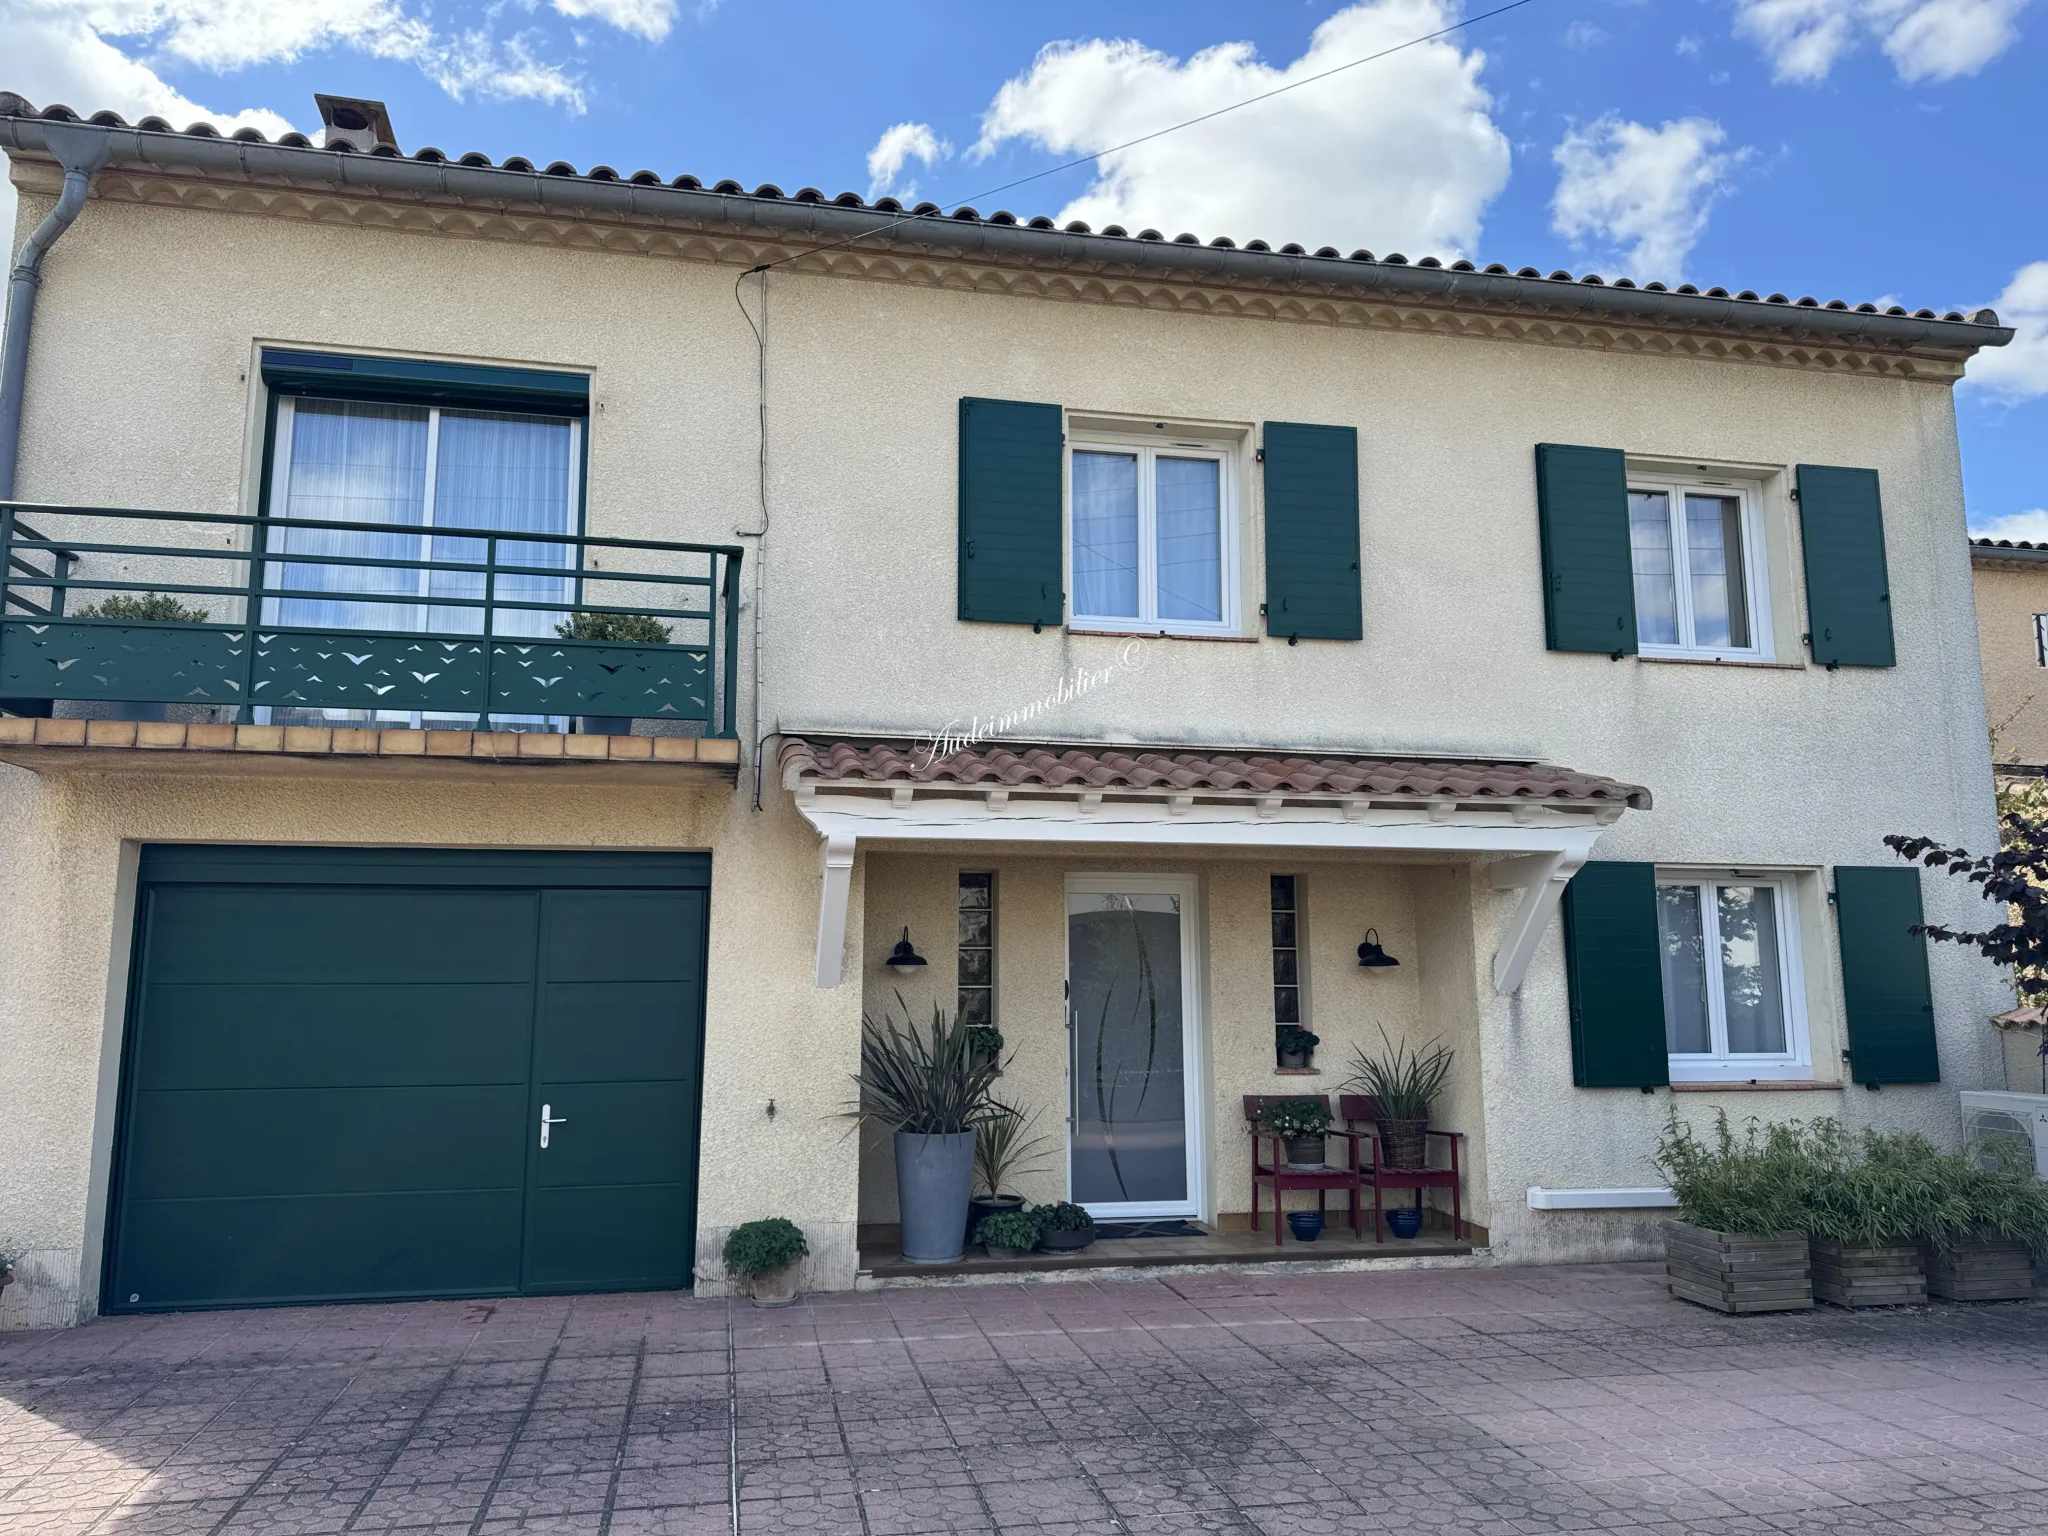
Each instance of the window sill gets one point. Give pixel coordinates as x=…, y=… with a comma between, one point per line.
x=1719, y=661
x=1297, y=1071
x=1759, y=1085
x=1160, y=634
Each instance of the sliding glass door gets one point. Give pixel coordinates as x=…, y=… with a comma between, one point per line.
x=1134, y=1049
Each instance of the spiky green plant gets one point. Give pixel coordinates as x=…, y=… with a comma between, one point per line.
x=929, y=1081
x=1004, y=1146
x=1406, y=1080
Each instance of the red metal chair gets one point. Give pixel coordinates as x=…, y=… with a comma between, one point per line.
x=1274, y=1170
x=1360, y=1109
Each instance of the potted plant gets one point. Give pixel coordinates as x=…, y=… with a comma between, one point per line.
x=932, y=1091
x=1008, y=1234
x=612, y=629
x=1063, y=1227
x=1003, y=1148
x=769, y=1255
x=141, y=608
x=2005, y=1209
x=1869, y=1203
x=987, y=1040
x=1296, y=1044
x=1405, y=1083
x=1739, y=1242
x=1300, y=1124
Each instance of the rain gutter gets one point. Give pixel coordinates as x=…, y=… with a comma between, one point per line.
x=81, y=151
x=800, y=219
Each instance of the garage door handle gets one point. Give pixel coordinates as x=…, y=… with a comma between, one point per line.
x=546, y=1120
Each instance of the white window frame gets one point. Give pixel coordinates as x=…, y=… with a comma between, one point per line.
x=1795, y=1063
x=1148, y=450
x=2041, y=639
x=1755, y=568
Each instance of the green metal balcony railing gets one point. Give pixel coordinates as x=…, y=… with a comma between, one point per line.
x=309, y=619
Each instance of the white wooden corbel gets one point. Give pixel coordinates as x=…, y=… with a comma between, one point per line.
x=996, y=799
x=837, y=859
x=1541, y=878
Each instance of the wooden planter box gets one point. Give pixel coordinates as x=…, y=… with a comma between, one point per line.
x=1982, y=1269
x=1868, y=1274
x=1738, y=1272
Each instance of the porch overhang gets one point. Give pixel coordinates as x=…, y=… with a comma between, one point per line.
x=1533, y=825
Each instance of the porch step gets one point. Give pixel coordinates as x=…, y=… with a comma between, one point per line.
x=881, y=1263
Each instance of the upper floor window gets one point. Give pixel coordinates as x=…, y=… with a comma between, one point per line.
x=1732, y=1000
x=418, y=468
x=1152, y=536
x=1697, y=553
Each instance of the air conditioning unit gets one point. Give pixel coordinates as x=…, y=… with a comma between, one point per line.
x=2021, y=1118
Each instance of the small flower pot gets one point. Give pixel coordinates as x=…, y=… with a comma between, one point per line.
x=774, y=1287
x=1305, y=1151
x=1306, y=1226
x=989, y=1205
x=1294, y=1059
x=1067, y=1241
x=1405, y=1222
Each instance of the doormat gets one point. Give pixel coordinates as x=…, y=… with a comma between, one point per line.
x=1169, y=1227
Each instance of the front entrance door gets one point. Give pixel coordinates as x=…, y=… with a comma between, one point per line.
x=1132, y=997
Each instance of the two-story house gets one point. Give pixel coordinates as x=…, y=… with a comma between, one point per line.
x=500, y=657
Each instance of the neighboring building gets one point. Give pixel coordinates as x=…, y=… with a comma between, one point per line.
x=2011, y=582
x=1279, y=599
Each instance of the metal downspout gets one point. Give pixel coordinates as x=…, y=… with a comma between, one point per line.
x=81, y=152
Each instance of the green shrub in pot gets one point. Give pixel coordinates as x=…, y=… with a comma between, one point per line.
x=1063, y=1226
x=1007, y=1234
x=766, y=1253
x=1756, y=1186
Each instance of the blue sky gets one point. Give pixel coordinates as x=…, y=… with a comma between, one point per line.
x=1858, y=149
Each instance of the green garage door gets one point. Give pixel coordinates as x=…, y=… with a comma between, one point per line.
x=338, y=1062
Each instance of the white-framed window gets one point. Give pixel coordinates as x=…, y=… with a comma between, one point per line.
x=1734, y=1006
x=1697, y=549
x=1152, y=535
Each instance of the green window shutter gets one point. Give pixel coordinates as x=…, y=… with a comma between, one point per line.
x=1312, y=575
x=1613, y=970
x=1010, y=513
x=1848, y=593
x=1589, y=583
x=1884, y=975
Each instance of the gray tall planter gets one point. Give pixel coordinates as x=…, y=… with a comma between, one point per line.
x=934, y=1175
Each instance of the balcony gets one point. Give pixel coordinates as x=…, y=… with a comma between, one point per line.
x=303, y=637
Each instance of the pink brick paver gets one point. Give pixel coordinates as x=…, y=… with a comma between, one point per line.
x=1490, y=1401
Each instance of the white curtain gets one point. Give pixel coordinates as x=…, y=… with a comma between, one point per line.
x=1106, y=535
x=509, y=472
x=1189, y=512
x=351, y=462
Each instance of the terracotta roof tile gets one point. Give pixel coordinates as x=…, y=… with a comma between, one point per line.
x=1174, y=770
x=12, y=105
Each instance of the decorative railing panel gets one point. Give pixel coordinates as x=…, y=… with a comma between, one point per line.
x=112, y=604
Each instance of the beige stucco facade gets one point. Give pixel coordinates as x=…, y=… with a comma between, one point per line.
x=143, y=392
x=2012, y=596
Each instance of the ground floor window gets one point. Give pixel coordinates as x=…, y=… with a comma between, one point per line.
x=1732, y=1005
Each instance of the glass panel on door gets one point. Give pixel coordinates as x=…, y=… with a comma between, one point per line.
x=1129, y=1074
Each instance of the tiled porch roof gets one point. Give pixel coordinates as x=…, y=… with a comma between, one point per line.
x=1175, y=770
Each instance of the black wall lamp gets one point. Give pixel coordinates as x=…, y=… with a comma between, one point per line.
x=1370, y=955
x=904, y=960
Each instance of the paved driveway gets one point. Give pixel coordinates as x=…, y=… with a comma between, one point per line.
x=1488, y=1401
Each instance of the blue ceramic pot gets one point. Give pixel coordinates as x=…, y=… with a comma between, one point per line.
x=1306, y=1226
x=1405, y=1222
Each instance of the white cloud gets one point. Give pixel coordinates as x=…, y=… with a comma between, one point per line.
x=650, y=19
x=1399, y=154
x=1925, y=39
x=895, y=149
x=2031, y=526
x=2018, y=371
x=1644, y=192
x=1583, y=35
